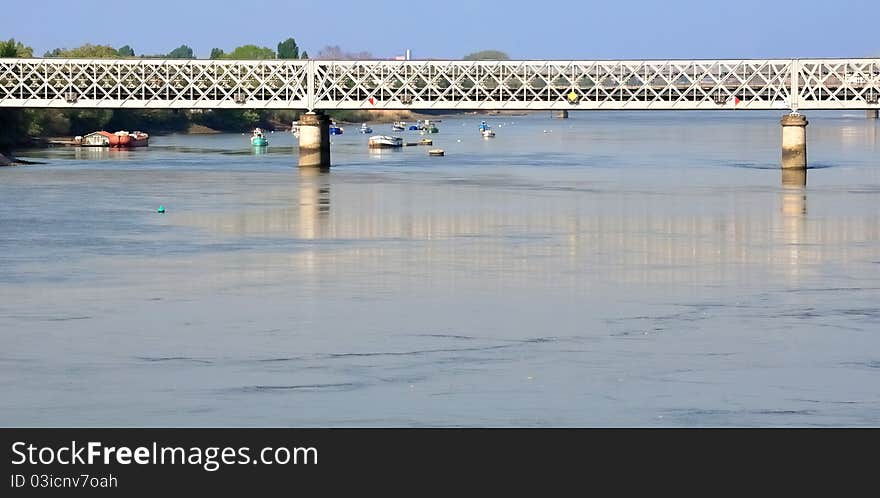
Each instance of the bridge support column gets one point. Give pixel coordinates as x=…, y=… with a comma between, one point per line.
x=563, y=114
x=314, y=140
x=794, y=141
x=871, y=113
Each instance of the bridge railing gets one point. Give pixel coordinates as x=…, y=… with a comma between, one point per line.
x=469, y=85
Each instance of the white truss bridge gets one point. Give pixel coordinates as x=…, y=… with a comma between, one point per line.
x=798, y=84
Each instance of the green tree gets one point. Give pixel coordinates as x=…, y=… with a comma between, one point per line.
x=125, y=51
x=84, y=121
x=231, y=119
x=12, y=48
x=487, y=55
x=87, y=51
x=305, y=55
x=181, y=52
x=251, y=52
x=217, y=53
x=151, y=120
x=288, y=49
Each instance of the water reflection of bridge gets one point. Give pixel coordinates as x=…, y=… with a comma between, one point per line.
x=629, y=240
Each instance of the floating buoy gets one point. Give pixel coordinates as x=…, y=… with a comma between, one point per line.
x=436, y=152
x=161, y=210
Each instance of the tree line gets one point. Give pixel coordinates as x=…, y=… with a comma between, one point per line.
x=287, y=49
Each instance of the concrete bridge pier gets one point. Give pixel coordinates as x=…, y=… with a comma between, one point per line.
x=563, y=114
x=314, y=140
x=794, y=141
x=871, y=113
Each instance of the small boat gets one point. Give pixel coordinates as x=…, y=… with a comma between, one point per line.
x=398, y=126
x=294, y=128
x=336, y=129
x=426, y=141
x=385, y=142
x=366, y=129
x=429, y=127
x=119, y=139
x=436, y=152
x=138, y=139
x=257, y=138
x=486, y=131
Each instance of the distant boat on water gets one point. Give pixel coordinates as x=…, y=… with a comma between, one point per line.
x=257, y=138
x=385, y=142
x=398, y=126
x=429, y=127
x=119, y=139
x=336, y=129
x=366, y=129
x=486, y=130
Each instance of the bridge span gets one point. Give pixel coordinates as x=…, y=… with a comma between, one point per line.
x=419, y=85
x=562, y=86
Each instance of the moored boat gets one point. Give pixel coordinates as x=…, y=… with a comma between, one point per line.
x=118, y=139
x=398, y=126
x=366, y=129
x=257, y=138
x=336, y=129
x=486, y=131
x=139, y=139
x=385, y=142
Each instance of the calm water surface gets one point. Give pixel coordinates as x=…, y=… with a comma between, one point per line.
x=613, y=269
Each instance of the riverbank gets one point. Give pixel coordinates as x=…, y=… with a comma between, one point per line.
x=8, y=159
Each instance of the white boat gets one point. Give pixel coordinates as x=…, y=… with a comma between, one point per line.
x=257, y=138
x=385, y=142
x=366, y=129
x=294, y=128
x=398, y=126
x=487, y=133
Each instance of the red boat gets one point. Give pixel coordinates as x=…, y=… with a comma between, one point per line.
x=119, y=139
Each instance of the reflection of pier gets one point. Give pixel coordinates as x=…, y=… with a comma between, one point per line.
x=314, y=201
x=794, y=212
x=517, y=236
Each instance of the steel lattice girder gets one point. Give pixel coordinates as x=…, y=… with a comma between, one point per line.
x=157, y=84
x=520, y=85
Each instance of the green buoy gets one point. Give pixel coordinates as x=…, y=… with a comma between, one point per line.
x=161, y=210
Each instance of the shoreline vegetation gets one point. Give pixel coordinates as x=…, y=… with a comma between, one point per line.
x=46, y=127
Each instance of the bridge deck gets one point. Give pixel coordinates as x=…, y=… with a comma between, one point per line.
x=418, y=85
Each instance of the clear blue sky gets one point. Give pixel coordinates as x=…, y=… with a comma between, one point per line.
x=633, y=29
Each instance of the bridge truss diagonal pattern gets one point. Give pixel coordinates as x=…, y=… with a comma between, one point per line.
x=148, y=83
x=419, y=85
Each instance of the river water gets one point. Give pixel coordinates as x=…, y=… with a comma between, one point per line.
x=612, y=269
